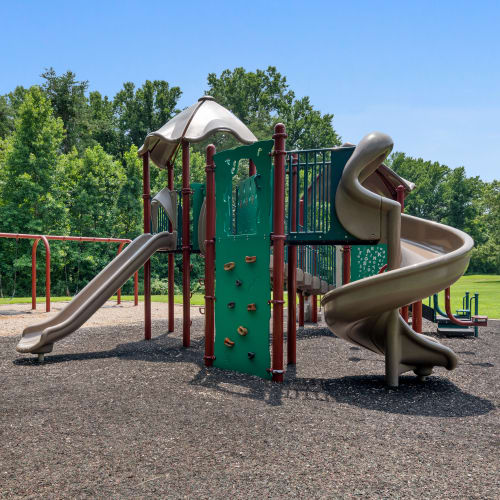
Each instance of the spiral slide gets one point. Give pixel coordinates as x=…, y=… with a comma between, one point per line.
x=423, y=258
x=39, y=339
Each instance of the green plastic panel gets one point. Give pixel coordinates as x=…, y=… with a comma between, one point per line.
x=247, y=283
x=367, y=260
x=246, y=207
x=255, y=289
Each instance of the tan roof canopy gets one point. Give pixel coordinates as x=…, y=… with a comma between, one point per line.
x=194, y=124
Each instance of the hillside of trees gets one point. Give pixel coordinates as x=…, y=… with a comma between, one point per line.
x=69, y=165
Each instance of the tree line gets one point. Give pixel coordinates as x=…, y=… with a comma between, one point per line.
x=69, y=165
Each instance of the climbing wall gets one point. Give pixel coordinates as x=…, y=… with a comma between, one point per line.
x=242, y=249
x=367, y=260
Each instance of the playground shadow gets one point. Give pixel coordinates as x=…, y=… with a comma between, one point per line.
x=437, y=397
x=434, y=398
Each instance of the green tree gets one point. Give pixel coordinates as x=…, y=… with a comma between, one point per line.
x=427, y=199
x=143, y=110
x=69, y=100
x=262, y=98
x=30, y=187
x=128, y=218
x=9, y=106
x=30, y=192
x=103, y=129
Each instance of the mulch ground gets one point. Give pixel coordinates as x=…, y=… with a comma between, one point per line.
x=109, y=415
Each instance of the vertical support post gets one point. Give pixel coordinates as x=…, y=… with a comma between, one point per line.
x=171, y=262
x=252, y=169
x=186, y=248
x=33, y=275
x=210, y=259
x=146, y=196
x=136, y=289
x=476, y=312
x=346, y=264
x=47, y=273
x=400, y=198
x=314, y=308
x=119, y=292
x=278, y=238
x=292, y=269
x=417, y=316
x=301, y=309
x=392, y=350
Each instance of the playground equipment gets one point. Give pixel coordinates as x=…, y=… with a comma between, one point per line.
x=460, y=324
x=322, y=204
x=45, y=239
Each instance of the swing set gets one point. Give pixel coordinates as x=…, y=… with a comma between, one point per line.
x=45, y=240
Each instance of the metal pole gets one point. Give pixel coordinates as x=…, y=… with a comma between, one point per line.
x=171, y=263
x=292, y=270
x=147, y=229
x=400, y=198
x=301, y=309
x=210, y=259
x=33, y=274
x=186, y=248
x=346, y=264
x=278, y=238
x=119, y=292
x=476, y=312
x=47, y=273
x=252, y=169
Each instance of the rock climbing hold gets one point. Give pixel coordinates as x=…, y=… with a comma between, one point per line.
x=228, y=342
x=230, y=305
x=250, y=259
x=251, y=355
x=251, y=307
x=242, y=330
x=238, y=283
x=229, y=266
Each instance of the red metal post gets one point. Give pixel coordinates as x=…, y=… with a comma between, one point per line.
x=136, y=289
x=417, y=316
x=119, y=292
x=346, y=264
x=210, y=259
x=146, y=196
x=252, y=170
x=47, y=273
x=186, y=248
x=33, y=269
x=171, y=264
x=33, y=274
x=292, y=270
x=278, y=238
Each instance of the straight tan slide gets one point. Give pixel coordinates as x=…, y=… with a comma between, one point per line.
x=424, y=257
x=39, y=339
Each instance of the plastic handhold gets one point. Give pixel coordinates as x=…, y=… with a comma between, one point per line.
x=228, y=342
x=251, y=355
x=229, y=266
x=251, y=307
x=238, y=283
x=250, y=259
x=242, y=330
x=230, y=305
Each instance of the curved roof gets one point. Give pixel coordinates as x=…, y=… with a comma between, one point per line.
x=194, y=124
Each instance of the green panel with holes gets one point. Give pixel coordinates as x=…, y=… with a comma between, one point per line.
x=243, y=241
x=367, y=260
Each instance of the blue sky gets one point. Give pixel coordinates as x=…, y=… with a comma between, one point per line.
x=427, y=73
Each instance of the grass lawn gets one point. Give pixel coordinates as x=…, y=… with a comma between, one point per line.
x=488, y=287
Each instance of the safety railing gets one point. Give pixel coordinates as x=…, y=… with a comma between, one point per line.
x=312, y=180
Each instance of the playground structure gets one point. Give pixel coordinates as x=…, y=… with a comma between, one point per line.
x=321, y=204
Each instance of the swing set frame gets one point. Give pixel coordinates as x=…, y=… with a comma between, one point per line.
x=45, y=240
